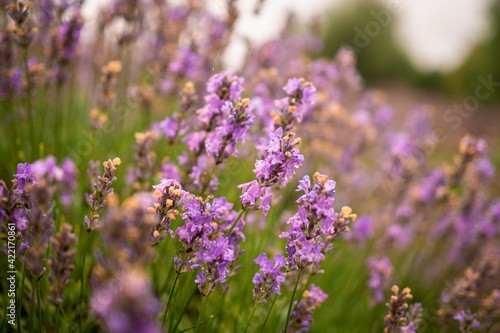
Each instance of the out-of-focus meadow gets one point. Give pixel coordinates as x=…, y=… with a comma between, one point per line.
x=414, y=154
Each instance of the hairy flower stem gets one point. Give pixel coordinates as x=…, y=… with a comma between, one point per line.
x=39, y=300
x=33, y=295
x=20, y=301
x=84, y=255
x=251, y=315
x=234, y=223
x=207, y=181
x=170, y=298
x=183, y=311
x=203, y=304
x=29, y=105
x=177, y=273
x=269, y=313
x=291, y=300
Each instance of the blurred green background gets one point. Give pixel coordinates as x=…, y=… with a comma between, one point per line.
x=384, y=58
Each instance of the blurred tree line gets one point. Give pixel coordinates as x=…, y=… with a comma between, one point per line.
x=367, y=27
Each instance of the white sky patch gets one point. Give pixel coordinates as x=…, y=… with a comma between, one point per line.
x=436, y=34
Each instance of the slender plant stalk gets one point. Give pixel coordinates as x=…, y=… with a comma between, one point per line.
x=170, y=298
x=172, y=290
x=183, y=311
x=20, y=301
x=29, y=104
x=251, y=315
x=39, y=300
x=207, y=181
x=84, y=255
x=198, y=323
x=268, y=313
x=32, y=314
x=291, y=300
x=234, y=223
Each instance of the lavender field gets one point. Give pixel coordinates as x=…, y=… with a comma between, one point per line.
x=147, y=187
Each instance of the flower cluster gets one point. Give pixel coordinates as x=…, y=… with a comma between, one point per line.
x=99, y=114
x=99, y=191
x=467, y=321
x=215, y=257
x=302, y=316
x=200, y=224
x=381, y=271
x=145, y=161
x=126, y=232
x=315, y=225
x=61, y=265
x=169, y=194
x=255, y=197
x=64, y=46
x=269, y=278
x=282, y=158
x=395, y=320
x=222, y=143
x=13, y=220
x=477, y=288
x=40, y=216
x=291, y=110
x=111, y=303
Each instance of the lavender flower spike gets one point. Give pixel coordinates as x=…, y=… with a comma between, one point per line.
x=381, y=271
x=269, y=278
x=215, y=259
x=468, y=321
x=302, y=316
x=111, y=302
x=61, y=265
x=395, y=319
x=281, y=160
x=169, y=194
x=100, y=190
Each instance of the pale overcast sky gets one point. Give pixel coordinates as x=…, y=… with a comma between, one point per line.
x=437, y=34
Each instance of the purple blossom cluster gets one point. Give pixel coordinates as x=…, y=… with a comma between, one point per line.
x=222, y=143
x=255, y=197
x=467, y=321
x=216, y=256
x=282, y=158
x=170, y=195
x=292, y=109
x=111, y=301
x=199, y=226
x=62, y=263
x=397, y=319
x=316, y=224
x=381, y=271
x=302, y=316
x=270, y=277
x=100, y=190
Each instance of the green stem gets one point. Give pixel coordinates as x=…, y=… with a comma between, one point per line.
x=251, y=315
x=39, y=300
x=29, y=104
x=170, y=298
x=207, y=181
x=84, y=256
x=203, y=304
x=291, y=300
x=20, y=301
x=32, y=312
x=184, y=310
x=268, y=313
x=234, y=223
